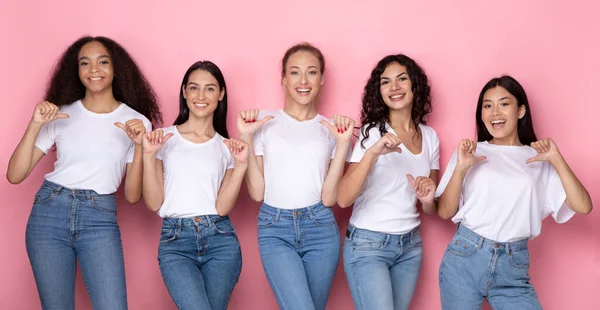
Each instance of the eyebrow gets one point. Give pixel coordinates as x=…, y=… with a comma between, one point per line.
x=309, y=67
x=399, y=75
x=209, y=84
x=101, y=56
x=503, y=98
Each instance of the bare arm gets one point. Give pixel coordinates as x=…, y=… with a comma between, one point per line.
x=230, y=187
x=153, y=187
x=334, y=174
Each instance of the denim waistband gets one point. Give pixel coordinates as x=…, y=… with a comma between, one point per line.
x=306, y=212
x=74, y=192
x=485, y=243
x=206, y=220
x=355, y=231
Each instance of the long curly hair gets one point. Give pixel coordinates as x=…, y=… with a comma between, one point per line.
x=374, y=111
x=220, y=114
x=129, y=84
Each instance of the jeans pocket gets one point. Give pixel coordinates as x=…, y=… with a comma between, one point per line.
x=168, y=235
x=363, y=243
x=265, y=220
x=224, y=227
x=324, y=217
x=105, y=203
x=519, y=259
x=462, y=246
x=45, y=194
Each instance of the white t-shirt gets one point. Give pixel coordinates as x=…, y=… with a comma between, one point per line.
x=387, y=202
x=92, y=152
x=296, y=157
x=193, y=173
x=503, y=198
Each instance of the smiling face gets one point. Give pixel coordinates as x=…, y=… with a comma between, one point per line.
x=303, y=79
x=396, y=87
x=96, y=70
x=500, y=112
x=202, y=93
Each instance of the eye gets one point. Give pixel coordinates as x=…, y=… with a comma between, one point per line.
x=384, y=82
x=210, y=89
x=104, y=62
x=294, y=73
x=487, y=106
x=192, y=87
x=83, y=63
x=402, y=79
x=312, y=72
x=504, y=104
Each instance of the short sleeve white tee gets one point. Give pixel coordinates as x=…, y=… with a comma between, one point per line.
x=296, y=157
x=193, y=173
x=505, y=199
x=387, y=201
x=92, y=152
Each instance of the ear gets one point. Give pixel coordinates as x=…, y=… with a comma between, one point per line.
x=183, y=92
x=222, y=94
x=522, y=111
x=322, y=79
x=283, y=81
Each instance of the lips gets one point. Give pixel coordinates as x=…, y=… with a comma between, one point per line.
x=397, y=97
x=497, y=124
x=95, y=79
x=303, y=91
x=201, y=105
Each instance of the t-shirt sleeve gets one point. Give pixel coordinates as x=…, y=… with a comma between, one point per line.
x=556, y=198
x=46, y=138
x=435, y=151
x=447, y=175
x=130, y=151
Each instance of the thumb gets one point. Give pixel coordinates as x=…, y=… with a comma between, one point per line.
x=265, y=119
x=480, y=158
x=327, y=124
x=121, y=125
x=411, y=179
x=166, y=137
x=533, y=159
x=62, y=115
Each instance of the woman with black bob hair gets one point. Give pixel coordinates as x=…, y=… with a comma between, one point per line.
x=394, y=166
x=192, y=181
x=97, y=107
x=499, y=190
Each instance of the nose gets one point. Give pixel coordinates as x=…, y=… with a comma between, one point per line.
x=303, y=79
x=395, y=85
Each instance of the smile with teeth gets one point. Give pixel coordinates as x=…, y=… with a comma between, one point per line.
x=96, y=78
x=303, y=90
x=498, y=122
x=397, y=96
x=201, y=105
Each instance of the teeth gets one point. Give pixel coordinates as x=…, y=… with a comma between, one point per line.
x=303, y=90
x=498, y=122
x=396, y=96
x=201, y=104
x=96, y=78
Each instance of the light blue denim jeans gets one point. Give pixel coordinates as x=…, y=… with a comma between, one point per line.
x=67, y=227
x=382, y=269
x=300, y=251
x=200, y=261
x=474, y=268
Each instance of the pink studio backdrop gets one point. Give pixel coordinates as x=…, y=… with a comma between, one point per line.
x=550, y=47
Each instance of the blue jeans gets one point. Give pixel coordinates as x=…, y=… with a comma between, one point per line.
x=382, y=269
x=300, y=251
x=474, y=268
x=69, y=226
x=200, y=261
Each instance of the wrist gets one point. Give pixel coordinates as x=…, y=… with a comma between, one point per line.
x=35, y=125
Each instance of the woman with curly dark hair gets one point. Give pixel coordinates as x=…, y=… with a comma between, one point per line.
x=97, y=107
x=394, y=165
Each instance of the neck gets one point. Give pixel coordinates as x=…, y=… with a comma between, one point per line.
x=511, y=140
x=101, y=102
x=200, y=126
x=300, y=112
x=402, y=119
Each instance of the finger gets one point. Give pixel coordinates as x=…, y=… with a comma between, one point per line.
x=62, y=115
x=265, y=119
x=328, y=125
x=412, y=180
x=547, y=145
x=336, y=123
x=242, y=115
x=254, y=115
x=480, y=158
x=533, y=159
x=122, y=126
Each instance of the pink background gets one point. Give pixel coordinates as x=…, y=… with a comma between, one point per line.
x=551, y=47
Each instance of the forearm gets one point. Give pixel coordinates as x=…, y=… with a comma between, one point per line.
x=230, y=191
x=21, y=162
x=152, y=188
x=450, y=199
x=133, y=180
x=429, y=208
x=353, y=182
x=334, y=174
x=255, y=180
x=578, y=198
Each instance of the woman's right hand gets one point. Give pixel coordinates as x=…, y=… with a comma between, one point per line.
x=247, y=123
x=466, y=154
x=389, y=143
x=45, y=112
x=154, y=140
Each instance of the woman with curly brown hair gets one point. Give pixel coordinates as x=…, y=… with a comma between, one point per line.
x=97, y=107
x=394, y=165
